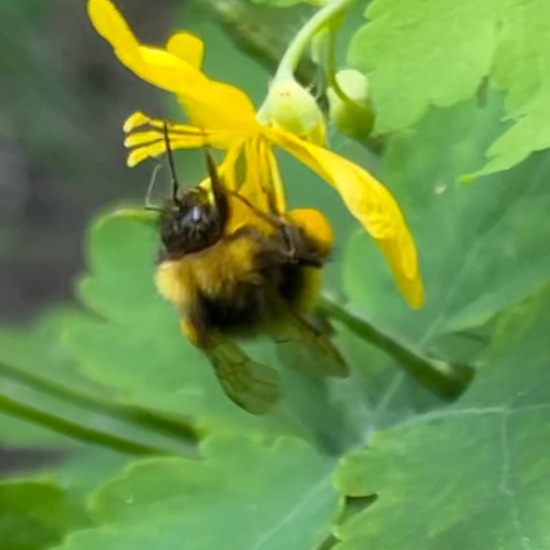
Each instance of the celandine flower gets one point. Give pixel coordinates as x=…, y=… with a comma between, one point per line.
x=223, y=116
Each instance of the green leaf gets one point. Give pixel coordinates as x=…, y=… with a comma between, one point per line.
x=481, y=246
x=477, y=473
x=482, y=255
x=426, y=53
x=241, y=494
x=36, y=514
x=84, y=469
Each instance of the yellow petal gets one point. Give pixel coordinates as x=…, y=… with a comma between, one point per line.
x=142, y=153
x=161, y=58
x=156, y=125
x=135, y=120
x=219, y=106
x=150, y=142
x=187, y=47
x=370, y=202
x=210, y=104
x=228, y=168
x=276, y=182
x=148, y=63
x=196, y=136
x=253, y=187
x=157, y=148
x=189, y=141
x=404, y=250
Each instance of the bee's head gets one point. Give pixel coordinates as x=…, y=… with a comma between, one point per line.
x=191, y=223
x=195, y=219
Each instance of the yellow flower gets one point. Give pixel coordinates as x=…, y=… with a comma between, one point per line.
x=223, y=116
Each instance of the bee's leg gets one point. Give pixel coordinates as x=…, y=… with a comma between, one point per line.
x=301, y=249
x=294, y=239
x=268, y=217
x=218, y=190
x=289, y=237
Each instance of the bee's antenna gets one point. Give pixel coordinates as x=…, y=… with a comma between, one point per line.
x=148, y=204
x=220, y=195
x=211, y=166
x=172, y=165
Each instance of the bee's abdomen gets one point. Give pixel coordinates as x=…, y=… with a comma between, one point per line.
x=243, y=310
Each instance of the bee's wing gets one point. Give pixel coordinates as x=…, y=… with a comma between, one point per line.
x=249, y=384
x=303, y=346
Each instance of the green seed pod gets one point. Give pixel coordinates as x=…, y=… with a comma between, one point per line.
x=352, y=114
x=293, y=108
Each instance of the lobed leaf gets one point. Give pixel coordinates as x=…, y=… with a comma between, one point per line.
x=477, y=472
x=424, y=53
x=481, y=246
x=242, y=493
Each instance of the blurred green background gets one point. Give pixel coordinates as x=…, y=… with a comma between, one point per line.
x=61, y=156
x=64, y=98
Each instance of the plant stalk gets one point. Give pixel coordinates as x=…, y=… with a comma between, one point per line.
x=322, y=18
x=133, y=415
x=445, y=378
x=77, y=431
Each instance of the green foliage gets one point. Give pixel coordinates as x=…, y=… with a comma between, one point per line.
x=39, y=376
x=266, y=495
x=481, y=248
x=475, y=472
x=439, y=53
x=148, y=452
x=497, y=230
x=36, y=514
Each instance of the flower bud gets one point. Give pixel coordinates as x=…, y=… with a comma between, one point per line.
x=294, y=109
x=353, y=114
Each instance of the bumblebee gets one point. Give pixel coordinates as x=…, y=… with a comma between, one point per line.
x=231, y=269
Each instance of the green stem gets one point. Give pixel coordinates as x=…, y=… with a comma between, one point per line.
x=293, y=54
x=263, y=34
x=330, y=67
x=445, y=378
x=134, y=415
x=76, y=431
x=295, y=50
